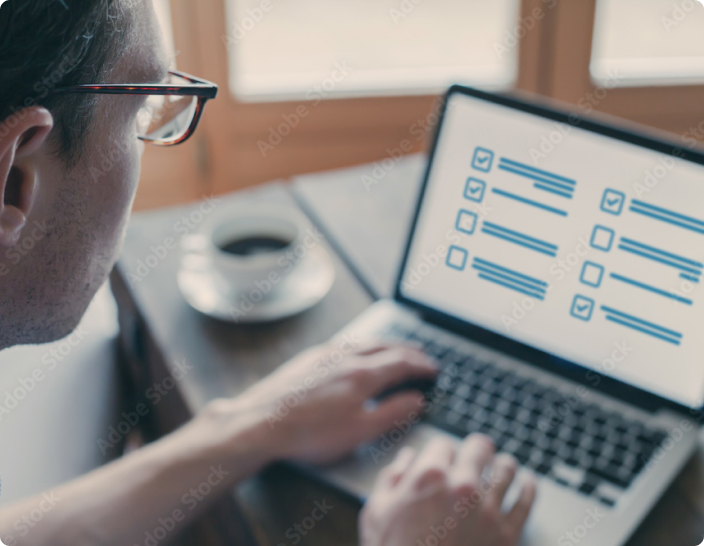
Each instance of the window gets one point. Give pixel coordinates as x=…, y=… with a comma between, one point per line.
x=163, y=14
x=283, y=50
x=648, y=42
x=386, y=62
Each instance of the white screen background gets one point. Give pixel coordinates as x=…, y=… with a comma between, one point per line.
x=597, y=164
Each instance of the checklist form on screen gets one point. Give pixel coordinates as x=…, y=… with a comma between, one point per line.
x=584, y=246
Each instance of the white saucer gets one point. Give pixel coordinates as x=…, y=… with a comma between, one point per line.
x=207, y=291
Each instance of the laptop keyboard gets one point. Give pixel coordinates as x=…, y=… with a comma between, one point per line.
x=575, y=443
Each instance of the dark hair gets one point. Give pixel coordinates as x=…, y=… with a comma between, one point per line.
x=46, y=44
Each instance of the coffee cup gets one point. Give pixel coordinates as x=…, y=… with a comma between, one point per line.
x=247, y=245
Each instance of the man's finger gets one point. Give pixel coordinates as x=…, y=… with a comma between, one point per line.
x=503, y=473
x=518, y=515
x=475, y=453
x=434, y=462
x=378, y=345
x=405, y=408
x=394, y=366
x=393, y=473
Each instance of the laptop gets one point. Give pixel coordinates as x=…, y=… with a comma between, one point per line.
x=553, y=268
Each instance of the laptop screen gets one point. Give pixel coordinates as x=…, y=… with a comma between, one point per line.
x=581, y=245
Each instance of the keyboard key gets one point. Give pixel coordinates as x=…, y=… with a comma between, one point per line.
x=608, y=491
x=589, y=485
x=571, y=475
x=453, y=418
x=610, y=474
x=583, y=446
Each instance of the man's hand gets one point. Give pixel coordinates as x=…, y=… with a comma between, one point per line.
x=444, y=493
x=316, y=407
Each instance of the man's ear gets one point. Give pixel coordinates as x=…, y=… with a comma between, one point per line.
x=21, y=135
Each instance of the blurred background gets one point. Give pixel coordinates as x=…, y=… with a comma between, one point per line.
x=311, y=85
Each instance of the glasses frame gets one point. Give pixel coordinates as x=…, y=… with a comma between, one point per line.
x=202, y=89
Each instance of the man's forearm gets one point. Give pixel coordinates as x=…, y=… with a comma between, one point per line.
x=155, y=490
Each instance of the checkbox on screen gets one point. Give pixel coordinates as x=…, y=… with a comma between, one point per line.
x=582, y=308
x=466, y=222
x=613, y=202
x=592, y=274
x=457, y=258
x=474, y=190
x=482, y=159
x=602, y=238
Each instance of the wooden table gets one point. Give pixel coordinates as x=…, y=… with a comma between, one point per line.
x=364, y=213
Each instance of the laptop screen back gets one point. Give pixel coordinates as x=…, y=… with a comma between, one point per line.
x=580, y=245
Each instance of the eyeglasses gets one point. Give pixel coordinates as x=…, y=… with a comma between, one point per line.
x=172, y=110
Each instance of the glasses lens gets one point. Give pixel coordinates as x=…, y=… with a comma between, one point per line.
x=166, y=118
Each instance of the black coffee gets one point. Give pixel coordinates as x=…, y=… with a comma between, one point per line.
x=251, y=246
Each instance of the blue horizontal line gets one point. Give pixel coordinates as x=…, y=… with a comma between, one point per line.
x=668, y=212
x=641, y=321
x=655, y=258
x=556, y=192
x=511, y=271
x=689, y=277
x=510, y=286
x=529, y=202
x=650, y=288
x=521, y=243
x=665, y=219
x=664, y=253
x=508, y=278
x=640, y=329
x=539, y=171
x=542, y=179
x=521, y=235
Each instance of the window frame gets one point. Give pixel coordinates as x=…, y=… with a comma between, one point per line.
x=225, y=154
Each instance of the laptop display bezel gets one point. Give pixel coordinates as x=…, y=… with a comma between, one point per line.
x=531, y=355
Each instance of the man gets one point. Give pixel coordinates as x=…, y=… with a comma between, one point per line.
x=50, y=145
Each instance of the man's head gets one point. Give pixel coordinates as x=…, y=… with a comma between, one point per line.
x=69, y=164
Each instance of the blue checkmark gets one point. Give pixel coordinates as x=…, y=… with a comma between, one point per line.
x=482, y=159
x=474, y=190
x=582, y=308
x=613, y=202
